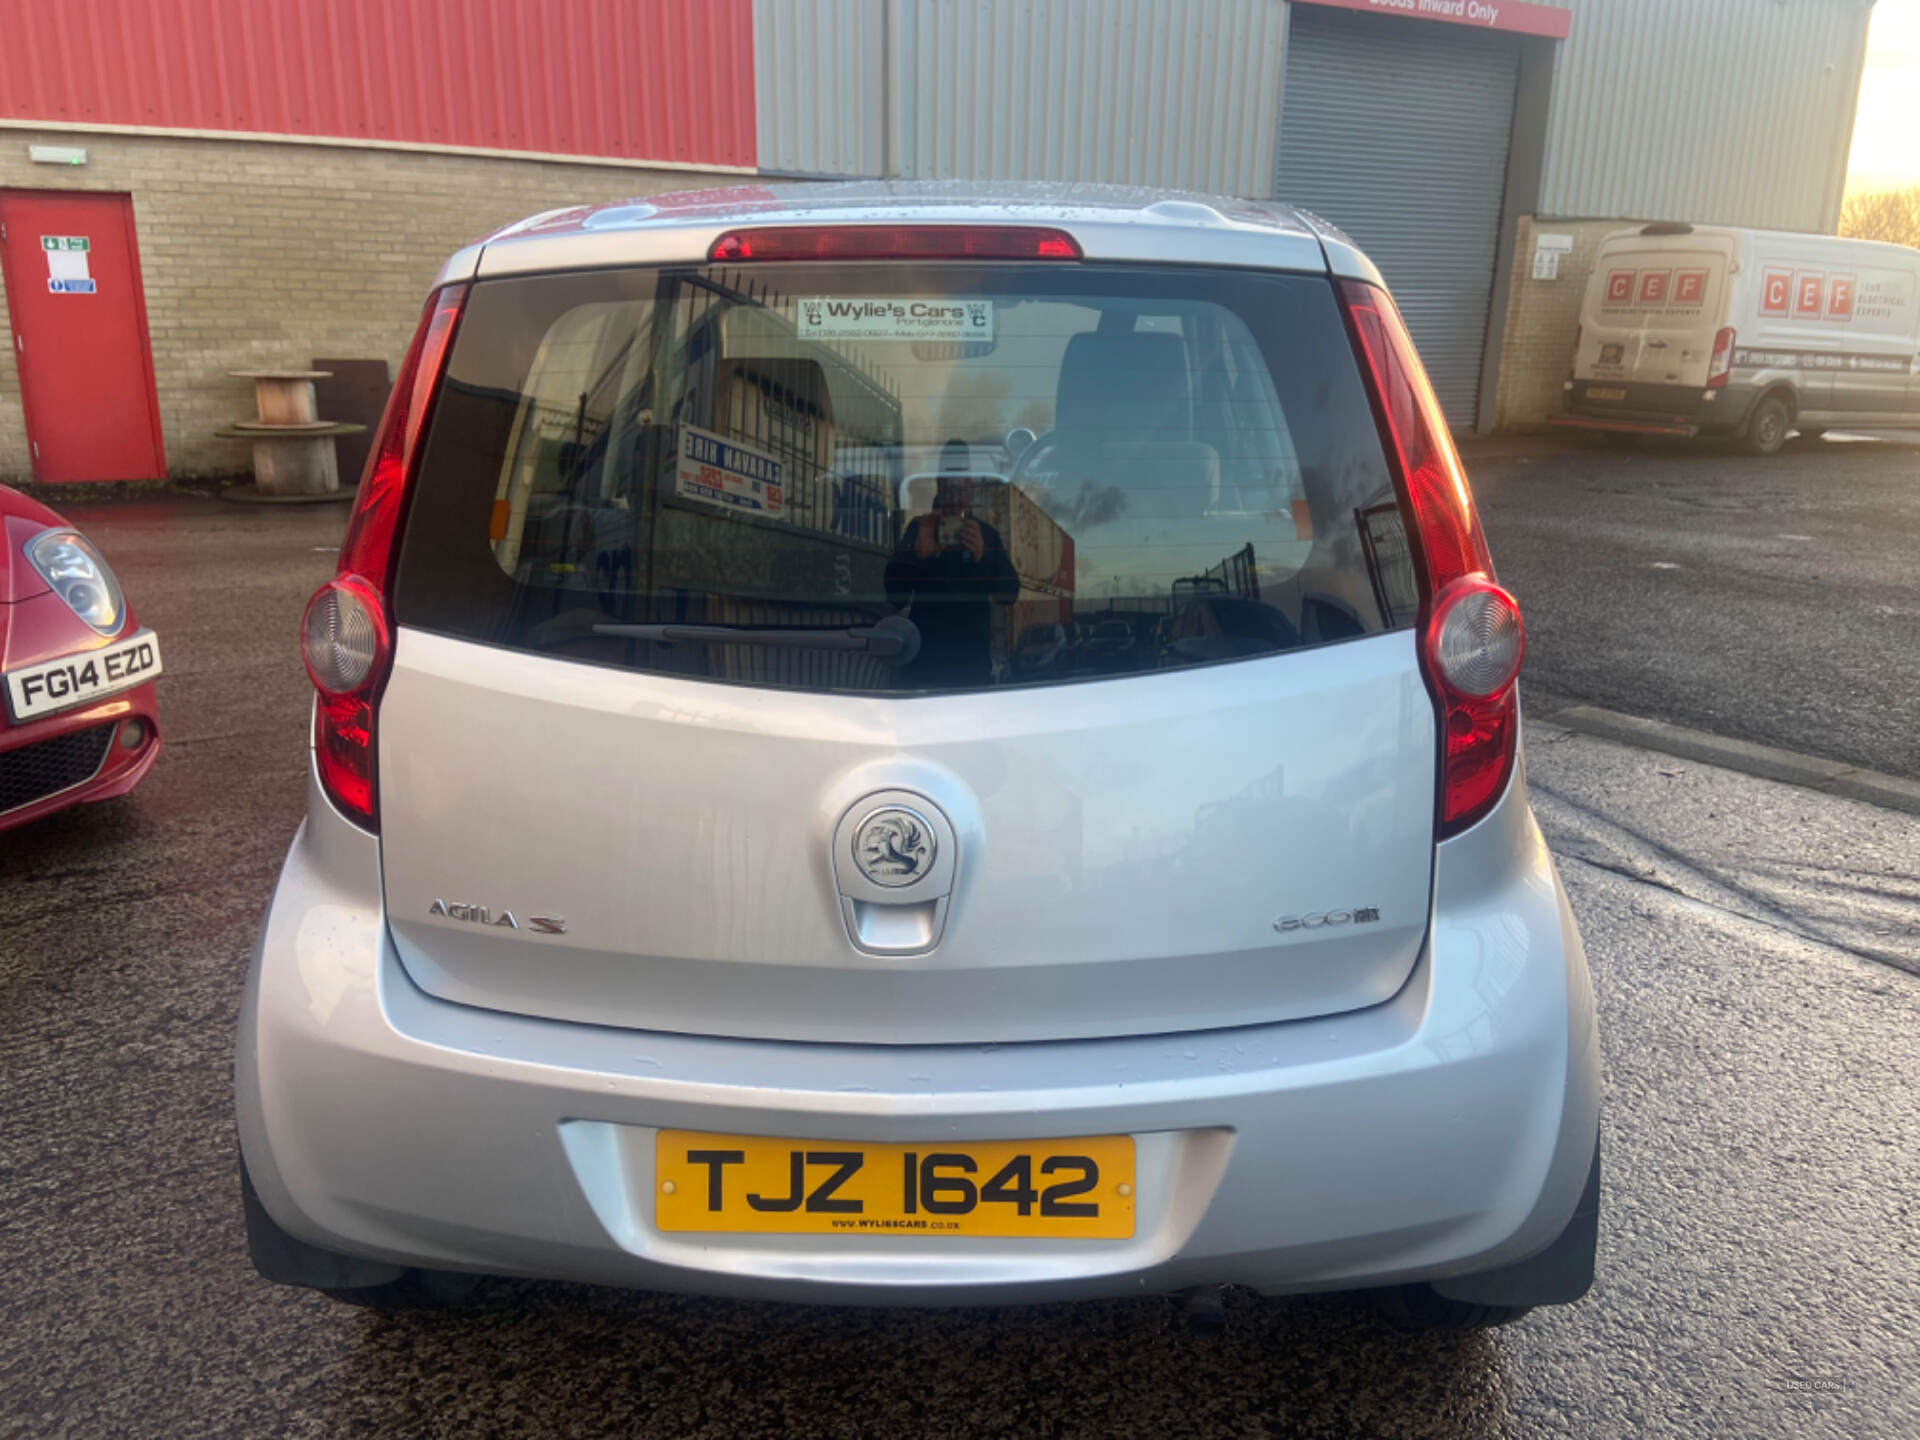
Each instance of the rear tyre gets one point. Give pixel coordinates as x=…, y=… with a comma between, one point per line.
x=1417, y=1308
x=1768, y=425
x=414, y=1290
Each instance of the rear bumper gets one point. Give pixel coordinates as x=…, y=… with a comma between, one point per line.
x=1621, y=425
x=1446, y=1132
x=1654, y=409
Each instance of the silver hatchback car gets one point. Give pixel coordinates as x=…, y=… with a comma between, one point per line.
x=704, y=890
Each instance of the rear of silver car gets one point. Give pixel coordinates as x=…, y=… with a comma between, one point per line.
x=708, y=887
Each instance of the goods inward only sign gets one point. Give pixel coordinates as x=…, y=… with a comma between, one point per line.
x=1522, y=17
x=67, y=272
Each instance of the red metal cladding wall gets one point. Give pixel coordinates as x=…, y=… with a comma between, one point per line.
x=628, y=79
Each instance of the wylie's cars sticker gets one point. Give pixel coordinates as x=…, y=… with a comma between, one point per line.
x=716, y=470
x=36, y=690
x=828, y=318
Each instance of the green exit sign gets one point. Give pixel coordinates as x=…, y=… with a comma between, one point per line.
x=65, y=242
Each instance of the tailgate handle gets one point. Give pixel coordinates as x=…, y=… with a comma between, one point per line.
x=894, y=856
x=909, y=929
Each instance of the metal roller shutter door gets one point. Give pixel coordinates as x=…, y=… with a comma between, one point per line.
x=1397, y=132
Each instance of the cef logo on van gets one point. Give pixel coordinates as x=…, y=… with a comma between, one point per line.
x=1655, y=289
x=1807, y=295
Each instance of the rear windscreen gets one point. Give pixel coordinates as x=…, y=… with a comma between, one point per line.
x=902, y=478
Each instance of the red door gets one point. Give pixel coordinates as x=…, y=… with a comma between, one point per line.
x=72, y=276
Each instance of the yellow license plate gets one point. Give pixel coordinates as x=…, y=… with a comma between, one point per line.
x=1605, y=392
x=1074, y=1189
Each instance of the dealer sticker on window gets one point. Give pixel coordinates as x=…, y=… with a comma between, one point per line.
x=829, y=318
x=716, y=470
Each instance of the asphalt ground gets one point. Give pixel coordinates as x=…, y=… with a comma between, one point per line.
x=1772, y=600
x=1752, y=945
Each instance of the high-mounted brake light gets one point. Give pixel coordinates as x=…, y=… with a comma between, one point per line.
x=345, y=635
x=1473, y=639
x=1722, y=362
x=896, y=242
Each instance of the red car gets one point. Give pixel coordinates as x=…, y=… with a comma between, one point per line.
x=77, y=716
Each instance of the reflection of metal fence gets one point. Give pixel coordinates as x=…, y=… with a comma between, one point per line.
x=1396, y=585
x=1237, y=574
x=781, y=406
x=805, y=404
x=863, y=508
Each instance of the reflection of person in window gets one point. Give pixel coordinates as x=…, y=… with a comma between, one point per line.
x=951, y=568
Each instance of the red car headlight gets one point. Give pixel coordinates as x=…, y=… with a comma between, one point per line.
x=80, y=576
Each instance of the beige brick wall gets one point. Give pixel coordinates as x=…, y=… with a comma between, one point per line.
x=259, y=254
x=1537, y=343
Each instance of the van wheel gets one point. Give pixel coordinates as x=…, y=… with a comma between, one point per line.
x=1767, y=427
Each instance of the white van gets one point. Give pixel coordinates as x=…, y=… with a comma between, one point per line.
x=1755, y=333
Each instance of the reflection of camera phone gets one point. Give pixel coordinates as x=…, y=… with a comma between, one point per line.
x=947, y=532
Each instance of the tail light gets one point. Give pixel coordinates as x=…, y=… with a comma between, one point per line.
x=1579, y=334
x=896, y=242
x=1474, y=644
x=1472, y=636
x=1722, y=361
x=346, y=634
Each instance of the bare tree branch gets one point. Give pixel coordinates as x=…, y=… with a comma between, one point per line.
x=1892, y=215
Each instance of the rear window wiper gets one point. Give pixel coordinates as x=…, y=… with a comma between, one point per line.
x=891, y=637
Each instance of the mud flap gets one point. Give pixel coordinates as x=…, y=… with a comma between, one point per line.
x=286, y=1260
x=1558, y=1275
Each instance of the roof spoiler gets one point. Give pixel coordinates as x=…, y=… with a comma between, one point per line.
x=1667, y=227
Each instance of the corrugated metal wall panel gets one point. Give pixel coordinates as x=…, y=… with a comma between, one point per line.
x=1126, y=91
x=666, y=80
x=1733, y=112
x=820, y=76
x=1397, y=132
